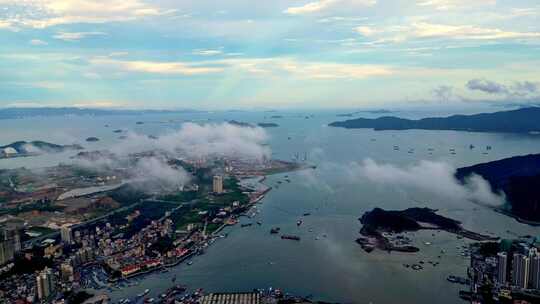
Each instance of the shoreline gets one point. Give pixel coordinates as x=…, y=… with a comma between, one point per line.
x=212, y=236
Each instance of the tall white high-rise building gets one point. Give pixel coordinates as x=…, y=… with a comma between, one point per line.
x=520, y=270
x=218, y=184
x=45, y=284
x=534, y=269
x=66, y=234
x=10, y=243
x=502, y=266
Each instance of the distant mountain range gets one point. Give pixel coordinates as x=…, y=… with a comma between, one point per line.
x=11, y=113
x=525, y=120
x=518, y=177
x=24, y=148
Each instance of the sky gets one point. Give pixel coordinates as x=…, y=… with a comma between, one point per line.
x=208, y=54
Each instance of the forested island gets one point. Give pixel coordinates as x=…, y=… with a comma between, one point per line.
x=268, y=125
x=519, y=178
x=378, y=224
x=525, y=120
x=24, y=148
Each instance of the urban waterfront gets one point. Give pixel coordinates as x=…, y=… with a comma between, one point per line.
x=327, y=263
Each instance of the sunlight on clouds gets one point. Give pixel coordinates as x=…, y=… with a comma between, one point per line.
x=311, y=7
x=37, y=42
x=264, y=67
x=453, y=4
x=321, y=5
x=66, y=36
x=45, y=13
x=424, y=30
x=180, y=68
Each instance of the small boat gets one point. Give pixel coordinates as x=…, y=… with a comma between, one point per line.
x=290, y=237
x=190, y=263
x=307, y=214
x=275, y=230
x=299, y=223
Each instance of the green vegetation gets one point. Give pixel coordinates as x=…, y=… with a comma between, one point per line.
x=181, y=197
x=39, y=206
x=211, y=227
x=184, y=216
x=128, y=195
x=209, y=203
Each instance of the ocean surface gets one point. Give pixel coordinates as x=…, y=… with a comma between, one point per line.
x=327, y=263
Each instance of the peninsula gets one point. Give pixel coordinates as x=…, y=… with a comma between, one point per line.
x=33, y=148
x=525, y=120
x=380, y=226
x=519, y=178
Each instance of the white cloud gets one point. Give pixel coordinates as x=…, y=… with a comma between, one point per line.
x=156, y=172
x=37, y=42
x=76, y=36
x=202, y=140
x=423, y=175
x=258, y=66
x=156, y=67
x=7, y=25
x=321, y=5
x=425, y=30
x=207, y=52
x=310, y=7
x=46, y=13
x=366, y=31
x=453, y=4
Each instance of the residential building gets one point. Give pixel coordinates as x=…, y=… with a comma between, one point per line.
x=520, y=270
x=218, y=184
x=502, y=267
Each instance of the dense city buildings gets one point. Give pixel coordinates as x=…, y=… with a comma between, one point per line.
x=506, y=271
x=100, y=236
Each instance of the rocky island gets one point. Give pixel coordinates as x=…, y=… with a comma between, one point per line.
x=379, y=224
x=525, y=120
x=33, y=148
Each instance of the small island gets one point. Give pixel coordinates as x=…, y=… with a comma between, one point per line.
x=525, y=120
x=92, y=139
x=379, y=225
x=240, y=124
x=33, y=148
x=268, y=125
